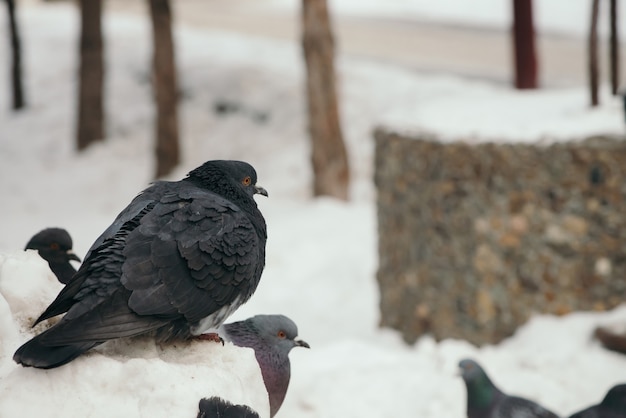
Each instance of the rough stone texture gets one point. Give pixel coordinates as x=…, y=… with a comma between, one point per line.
x=473, y=239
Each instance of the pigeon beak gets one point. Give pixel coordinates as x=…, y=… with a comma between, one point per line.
x=72, y=256
x=301, y=343
x=260, y=190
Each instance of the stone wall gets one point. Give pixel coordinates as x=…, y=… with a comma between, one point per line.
x=473, y=239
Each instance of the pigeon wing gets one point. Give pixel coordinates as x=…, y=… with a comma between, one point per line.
x=110, y=319
x=514, y=407
x=194, y=254
x=98, y=276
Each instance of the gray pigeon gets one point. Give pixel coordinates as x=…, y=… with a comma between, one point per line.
x=55, y=246
x=217, y=407
x=272, y=337
x=612, y=406
x=176, y=262
x=485, y=400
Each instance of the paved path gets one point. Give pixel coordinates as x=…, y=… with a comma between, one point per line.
x=422, y=46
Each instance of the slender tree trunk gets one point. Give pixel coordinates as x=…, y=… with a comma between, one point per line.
x=329, y=155
x=593, y=54
x=165, y=87
x=614, y=48
x=90, y=96
x=524, y=45
x=16, y=67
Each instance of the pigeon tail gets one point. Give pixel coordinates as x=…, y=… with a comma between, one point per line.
x=35, y=354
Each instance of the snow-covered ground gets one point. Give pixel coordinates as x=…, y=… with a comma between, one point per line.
x=321, y=253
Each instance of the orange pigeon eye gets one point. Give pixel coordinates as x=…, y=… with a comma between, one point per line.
x=246, y=181
x=54, y=246
x=281, y=334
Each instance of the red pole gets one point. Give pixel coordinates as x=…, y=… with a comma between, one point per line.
x=614, y=47
x=524, y=45
x=593, y=54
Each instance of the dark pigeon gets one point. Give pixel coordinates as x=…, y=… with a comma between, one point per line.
x=272, y=337
x=612, y=406
x=55, y=246
x=217, y=407
x=176, y=262
x=485, y=400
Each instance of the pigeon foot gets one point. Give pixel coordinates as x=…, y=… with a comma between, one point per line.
x=211, y=336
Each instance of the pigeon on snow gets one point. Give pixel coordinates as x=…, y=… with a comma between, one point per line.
x=485, y=400
x=55, y=246
x=176, y=262
x=217, y=407
x=272, y=337
x=612, y=406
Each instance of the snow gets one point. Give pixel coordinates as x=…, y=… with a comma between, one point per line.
x=321, y=253
x=137, y=376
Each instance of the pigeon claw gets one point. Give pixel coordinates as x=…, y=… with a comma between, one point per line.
x=211, y=336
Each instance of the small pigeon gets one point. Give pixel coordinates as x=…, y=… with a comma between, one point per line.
x=612, y=406
x=176, y=262
x=55, y=246
x=272, y=337
x=216, y=407
x=485, y=400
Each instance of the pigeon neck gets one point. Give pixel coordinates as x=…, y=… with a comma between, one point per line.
x=63, y=271
x=276, y=372
x=481, y=394
x=243, y=201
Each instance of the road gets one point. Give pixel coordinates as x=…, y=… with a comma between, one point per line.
x=427, y=47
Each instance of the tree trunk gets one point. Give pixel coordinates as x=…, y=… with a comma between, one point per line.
x=329, y=155
x=614, y=48
x=165, y=88
x=90, y=96
x=593, y=54
x=524, y=45
x=611, y=339
x=16, y=67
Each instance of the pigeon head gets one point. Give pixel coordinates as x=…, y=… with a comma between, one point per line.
x=612, y=406
x=55, y=246
x=278, y=331
x=481, y=392
x=230, y=179
x=216, y=407
x=470, y=370
x=272, y=337
x=485, y=400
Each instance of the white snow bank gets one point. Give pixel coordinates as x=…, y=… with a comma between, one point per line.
x=127, y=377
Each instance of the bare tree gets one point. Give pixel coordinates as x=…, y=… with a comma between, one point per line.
x=614, y=48
x=525, y=55
x=329, y=155
x=593, y=54
x=16, y=59
x=165, y=87
x=90, y=96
